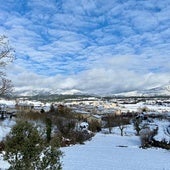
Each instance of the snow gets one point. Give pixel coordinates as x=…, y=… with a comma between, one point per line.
x=136, y=107
x=81, y=112
x=7, y=102
x=163, y=132
x=113, y=152
x=97, y=116
x=3, y=164
x=107, y=152
x=5, y=127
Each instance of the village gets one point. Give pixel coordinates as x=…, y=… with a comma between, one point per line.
x=90, y=108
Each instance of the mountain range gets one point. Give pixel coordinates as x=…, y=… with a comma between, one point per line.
x=157, y=91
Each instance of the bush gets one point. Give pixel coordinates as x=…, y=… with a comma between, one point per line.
x=146, y=136
x=94, y=126
x=79, y=136
x=143, y=109
x=48, y=123
x=2, y=146
x=65, y=126
x=161, y=144
x=31, y=115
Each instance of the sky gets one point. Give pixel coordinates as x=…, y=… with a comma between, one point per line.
x=92, y=46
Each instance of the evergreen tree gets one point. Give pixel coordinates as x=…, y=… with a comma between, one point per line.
x=48, y=129
x=25, y=149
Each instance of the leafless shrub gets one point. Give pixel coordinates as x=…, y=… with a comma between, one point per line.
x=146, y=136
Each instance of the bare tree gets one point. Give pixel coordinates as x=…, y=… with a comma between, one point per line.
x=6, y=87
x=6, y=56
x=110, y=119
x=122, y=127
x=121, y=124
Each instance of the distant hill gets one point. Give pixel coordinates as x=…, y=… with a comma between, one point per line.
x=157, y=91
x=44, y=92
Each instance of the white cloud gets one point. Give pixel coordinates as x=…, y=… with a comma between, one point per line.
x=95, y=45
x=97, y=80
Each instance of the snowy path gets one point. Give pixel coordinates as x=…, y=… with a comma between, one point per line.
x=104, y=153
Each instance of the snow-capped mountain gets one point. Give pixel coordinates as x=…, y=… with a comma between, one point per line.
x=44, y=92
x=157, y=91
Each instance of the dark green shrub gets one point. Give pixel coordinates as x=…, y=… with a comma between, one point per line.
x=25, y=149
x=48, y=123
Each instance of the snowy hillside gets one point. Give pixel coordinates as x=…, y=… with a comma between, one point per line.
x=44, y=92
x=157, y=91
x=113, y=152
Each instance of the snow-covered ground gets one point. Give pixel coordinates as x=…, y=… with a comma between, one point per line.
x=108, y=152
x=151, y=107
x=12, y=103
x=3, y=164
x=9, y=103
x=163, y=131
x=113, y=152
x=5, y=127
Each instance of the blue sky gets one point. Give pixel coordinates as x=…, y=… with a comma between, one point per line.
x=94, y=46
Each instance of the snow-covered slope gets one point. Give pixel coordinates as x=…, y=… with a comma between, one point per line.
x=44, y=92
x=157, y=91
x=114, y=152
x=164, y=91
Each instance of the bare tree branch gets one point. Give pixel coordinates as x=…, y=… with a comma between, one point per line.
x=6, y=87
x=6, y=56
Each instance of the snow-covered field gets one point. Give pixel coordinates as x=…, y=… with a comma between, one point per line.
x=163, y=131
x=108, y=152
x=113, y=152
x=151, y=107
